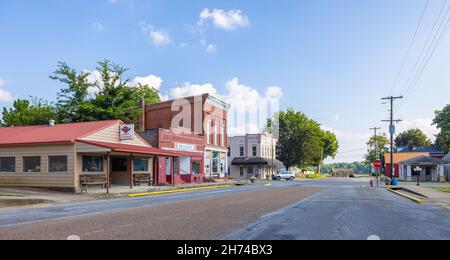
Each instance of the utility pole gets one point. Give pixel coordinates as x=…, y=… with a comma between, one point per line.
x=375, y=129
x=392, y=130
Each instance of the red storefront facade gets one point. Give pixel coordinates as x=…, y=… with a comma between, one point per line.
x=188, y=167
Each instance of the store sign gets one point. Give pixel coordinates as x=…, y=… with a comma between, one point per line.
x=186, y=147
x=126, y=132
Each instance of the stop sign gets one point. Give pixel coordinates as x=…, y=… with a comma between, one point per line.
x=378, y=164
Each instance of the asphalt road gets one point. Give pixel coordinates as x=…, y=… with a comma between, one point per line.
x=321, y=209
x=348, y=210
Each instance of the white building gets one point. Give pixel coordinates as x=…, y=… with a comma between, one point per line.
x=429, y=169
x=252, y=155
x=447, y=166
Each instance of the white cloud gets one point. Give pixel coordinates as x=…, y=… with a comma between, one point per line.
x=226, y=20
x=211, y=48
x=424, y=124
x=97, y=26
x=249, y=109
x=5, y=96
x=151, y=80
x=188, y=89
x=352, y=145
x=157, y=36
x=96, y=78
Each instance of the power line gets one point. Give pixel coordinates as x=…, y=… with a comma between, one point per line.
x=425, y=50
x=410, y=47
x=439, y=39
x=351, y=115
x=340, y=108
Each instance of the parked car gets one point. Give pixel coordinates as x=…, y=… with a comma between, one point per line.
x=286, y=175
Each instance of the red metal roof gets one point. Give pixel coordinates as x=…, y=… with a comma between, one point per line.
x=124, y=148
x=44, y=134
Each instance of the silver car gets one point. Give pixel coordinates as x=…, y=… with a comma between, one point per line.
x=286, y=175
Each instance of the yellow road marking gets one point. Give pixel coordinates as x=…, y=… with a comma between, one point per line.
x=177, y=191
x=406, y=196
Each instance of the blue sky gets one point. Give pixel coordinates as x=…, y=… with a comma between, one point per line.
x=333, y=60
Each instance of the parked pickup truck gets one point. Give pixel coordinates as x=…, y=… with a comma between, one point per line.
x=286, y=175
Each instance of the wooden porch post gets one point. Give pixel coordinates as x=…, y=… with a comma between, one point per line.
x=172, y=169
x=131, y=171
x=108, y=160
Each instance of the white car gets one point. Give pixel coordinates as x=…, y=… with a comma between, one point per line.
x=287, y=175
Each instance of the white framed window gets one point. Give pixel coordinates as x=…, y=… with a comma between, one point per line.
x=57, y=163
x=208, y=132
x=216, y=135
x=222, y=135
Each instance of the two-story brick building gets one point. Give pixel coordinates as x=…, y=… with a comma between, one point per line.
x=202, y=115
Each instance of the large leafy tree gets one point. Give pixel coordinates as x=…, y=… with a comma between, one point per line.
x=442, y=122
x=301, y=141
x=378, y=147
x=24, y=113
x=112, y=96
x=413, y=137
x=73, y=102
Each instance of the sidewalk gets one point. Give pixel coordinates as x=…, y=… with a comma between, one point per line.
x=39, y=197
x=434, y=196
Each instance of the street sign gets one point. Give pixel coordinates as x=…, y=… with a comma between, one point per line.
x=392, y=129
x=378, y=164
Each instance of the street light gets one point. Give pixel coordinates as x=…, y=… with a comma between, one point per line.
x=417, y=171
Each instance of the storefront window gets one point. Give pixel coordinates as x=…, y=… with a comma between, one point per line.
x=140, y=165
x=196, y=168
x=32, y=164
x=8, y=164
x=176, y=165
x=57, y=164
x=119, y=164
x=92, y=164
x=168, y=169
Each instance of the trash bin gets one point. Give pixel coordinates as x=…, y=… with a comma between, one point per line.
x=394, y=182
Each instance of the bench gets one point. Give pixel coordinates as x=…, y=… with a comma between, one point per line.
x=142, y=178
x=92, y=180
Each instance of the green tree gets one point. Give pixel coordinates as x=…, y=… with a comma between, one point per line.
x=301, y=141
x=413, y=137
x=442, y=122
x=114, y=98
x=24, y=113
x=73, y=102
x=379, y=146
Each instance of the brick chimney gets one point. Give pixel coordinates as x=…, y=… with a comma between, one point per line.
x=141, y=120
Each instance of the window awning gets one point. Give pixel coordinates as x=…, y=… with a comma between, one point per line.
x=242, y=161
x=134, y=149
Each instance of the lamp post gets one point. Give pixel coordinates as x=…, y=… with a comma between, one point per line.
x=417, y=171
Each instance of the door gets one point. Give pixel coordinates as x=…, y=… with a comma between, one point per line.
x=429, y=174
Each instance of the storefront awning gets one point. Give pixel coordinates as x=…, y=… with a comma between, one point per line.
x=242, y=161
x=134, y=149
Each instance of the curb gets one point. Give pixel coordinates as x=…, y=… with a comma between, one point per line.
x=418, y=201
x=177, y=191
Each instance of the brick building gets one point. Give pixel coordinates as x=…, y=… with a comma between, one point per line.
x=188, y=167
x=203, y=115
